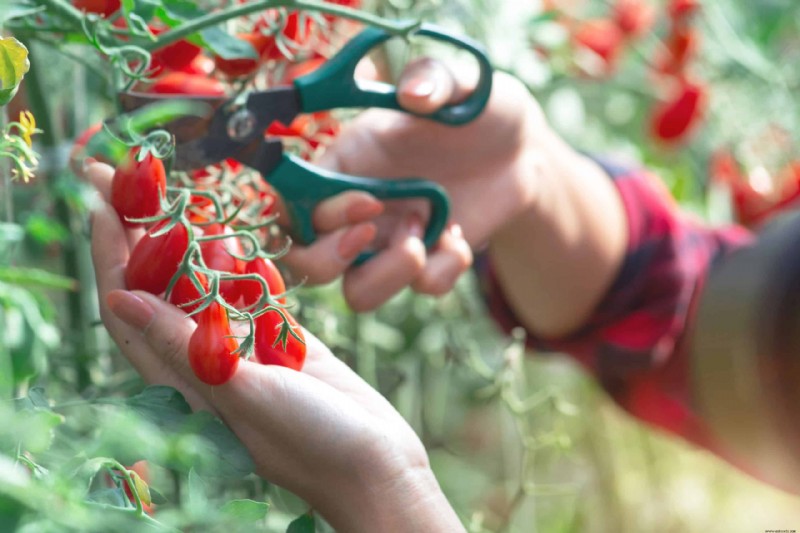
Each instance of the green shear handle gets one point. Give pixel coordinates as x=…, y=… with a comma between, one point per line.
x=303, y=186
x=333, y=85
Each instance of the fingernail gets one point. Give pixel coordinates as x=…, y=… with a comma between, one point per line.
x=86, y=162
x=420, y=88
x=456, y=231
x=365, y=209
x=130, y=308
x=354, y=240
x=414, y=226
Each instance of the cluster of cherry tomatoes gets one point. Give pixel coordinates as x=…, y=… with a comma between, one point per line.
x=193, y=254
x=598, y=45
x=202, y=250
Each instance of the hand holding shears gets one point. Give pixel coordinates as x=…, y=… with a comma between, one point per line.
x=237, y=131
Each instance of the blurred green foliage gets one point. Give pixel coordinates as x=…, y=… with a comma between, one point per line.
x=519, y=442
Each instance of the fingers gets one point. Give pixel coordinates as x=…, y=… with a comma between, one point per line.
x=369, y=285
x=346, y=209
x=100, y=176
x=451, y=258
x=330, y=255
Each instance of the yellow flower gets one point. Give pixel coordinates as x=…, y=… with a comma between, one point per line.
x=27, y=124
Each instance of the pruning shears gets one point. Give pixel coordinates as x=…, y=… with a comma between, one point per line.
x=236, y=130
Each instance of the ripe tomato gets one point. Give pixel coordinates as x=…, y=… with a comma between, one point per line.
x=679, y=10
x=154, y=260
x=217, y=256
x=244, y=66
x=200, y=66
x=634, y=17
x=211, y=347
x=137, y=187
x=269, y=351
x=175, y=56
x=604, y=39
x=184, y=292
x=679, y=49
x=182, y=83
x=78, y=153
x=297, y=70
x=672, y=120
x=104, y=8
x=251, y=290
x=291, y=31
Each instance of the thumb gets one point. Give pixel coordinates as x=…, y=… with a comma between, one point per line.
x=164, y=327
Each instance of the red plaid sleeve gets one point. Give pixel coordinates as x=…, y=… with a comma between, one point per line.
x=632, y=343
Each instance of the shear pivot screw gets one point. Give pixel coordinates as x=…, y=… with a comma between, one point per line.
x=241, y=125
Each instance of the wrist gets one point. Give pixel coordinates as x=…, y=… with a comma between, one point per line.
x=392, y=493
x=556, y=258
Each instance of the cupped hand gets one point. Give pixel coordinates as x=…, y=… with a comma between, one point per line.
x=485, y=166
x=322, y=433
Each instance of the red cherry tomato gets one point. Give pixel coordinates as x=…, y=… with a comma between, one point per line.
x=211, y=348
x=78, y=152
x=154, y=260
x=679, y=10
x=251, y=290
x=217, y=256
x=680, y=47
x=137, y=187
x=182, y=83
x=244, y=66
x=291, y=32
x=603, y=38
x=104, y=8
x=174, y=56
x=672, y=120
x=184, y=292
x=200, y=66
x=634, y=17
x=270, y=351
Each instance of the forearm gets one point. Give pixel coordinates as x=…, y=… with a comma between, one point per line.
x=556, y=259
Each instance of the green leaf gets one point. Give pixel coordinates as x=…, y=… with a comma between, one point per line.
x=198, y=490
x=34, y=277
x=13, y=66
x=246, y=510
x=159, y=399
x=215, y=38
x=303, y=524
x=166, y=408
x=46, y=230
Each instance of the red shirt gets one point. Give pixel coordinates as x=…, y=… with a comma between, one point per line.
x=633, y=342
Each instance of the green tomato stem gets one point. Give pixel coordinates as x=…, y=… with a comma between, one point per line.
x=212, y=19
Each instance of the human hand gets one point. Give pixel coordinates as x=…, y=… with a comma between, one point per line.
x=322, y=433
x=486, y=167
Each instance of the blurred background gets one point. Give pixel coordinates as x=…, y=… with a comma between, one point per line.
x=702, y=93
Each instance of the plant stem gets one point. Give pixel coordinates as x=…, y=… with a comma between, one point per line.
x=217, y=17
x=6, y=172
x=75, y=266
